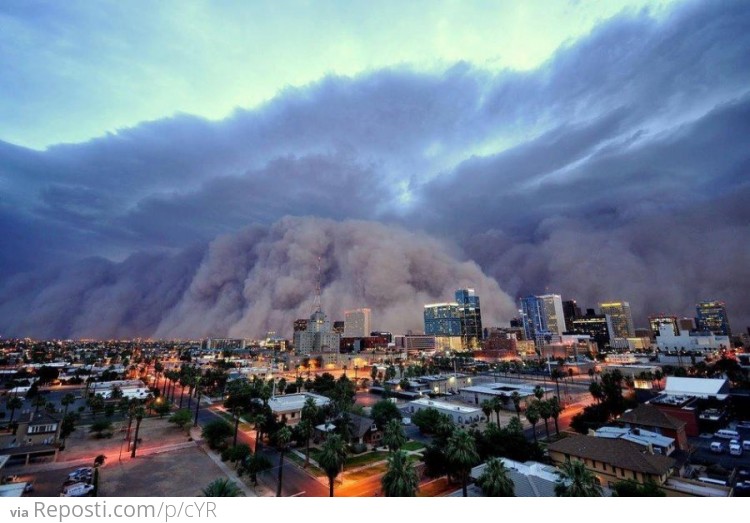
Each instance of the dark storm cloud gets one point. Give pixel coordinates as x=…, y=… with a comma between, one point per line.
x=247, y=283
x=616, y=170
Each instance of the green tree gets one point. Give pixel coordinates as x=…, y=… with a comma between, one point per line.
x=533, y=415
x=400, y=479
x=14, y=404
x=181, y=418
x=332, y=458
x=486, y=407
x=253, y=465
x=576, y=481
x=516, y=398
x=495, y=481
x=101, y=426
x=555, y=409
x=67, y=401
x=632, y=489
x=497, y=406
x=394, y=437
x=282, y=439
x=216, y=432
x=67, y=426
x=383, y=411
x=222, y=488
x=461, y=455
x=545, y=412
x=38, y=401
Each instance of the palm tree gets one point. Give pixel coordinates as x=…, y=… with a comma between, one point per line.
x=66, y=401
x=461, y=454
x=38, y=401
x=14, y=403
x=532, y=414
x=283, y=437
x=555, y=411
x=222, y=488
x=393, y=436
x=400, y=480
x=332, y=458
x=545, y=412
x=139, y=413
x=556, y=375
x=516, y=398
x=538, y=392
x=497, y=406
x=495, y=481
x=486, y=407
x=576, y=481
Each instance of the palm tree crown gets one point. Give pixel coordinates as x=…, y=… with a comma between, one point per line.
x=332, y=457
x=576, y=481
x=461, y=453
x=495, y=481
x=401, y=479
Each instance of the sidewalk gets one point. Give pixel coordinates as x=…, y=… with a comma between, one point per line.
x=259, y=491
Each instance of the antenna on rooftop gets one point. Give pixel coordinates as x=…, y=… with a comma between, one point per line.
x=316, y=303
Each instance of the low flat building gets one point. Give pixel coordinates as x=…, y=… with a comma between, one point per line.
x=530, y=479
x=460, y=414
x=476, y=394
x=289, y=407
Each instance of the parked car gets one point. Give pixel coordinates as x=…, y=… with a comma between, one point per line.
x=735, y=449
x=746, y=444
x=81, y=472
x=77, y=490
x=717, y=447
x=743, y=424
x=727, y=434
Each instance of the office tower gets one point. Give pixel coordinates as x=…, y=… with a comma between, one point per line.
x=658, y=320
x=571, y=311
x=470, y=314
x=553, y=312
x=712, y=317
x=318, y=336
x=442, y=319
x=620, y=319
x=357, y=323
x=595, y=325
x=542, y=317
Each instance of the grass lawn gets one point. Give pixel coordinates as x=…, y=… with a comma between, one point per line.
x=413, y=445
x=301, y=462
x=364, y=459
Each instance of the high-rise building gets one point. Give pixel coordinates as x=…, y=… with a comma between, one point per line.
x=657, y=320
x=571, y=311
x=619, y=318
x=318, y=336
x=442, y=319
x=300, y=325
x=712, y=317
x=595, y=325
x=470, y=313
x=543, y=317
x=357, y=323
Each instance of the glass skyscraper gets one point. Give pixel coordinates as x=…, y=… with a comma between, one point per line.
x=712, y=317
x=442, y=319
x=470, y=314
x=542, y=317
x=619, y=318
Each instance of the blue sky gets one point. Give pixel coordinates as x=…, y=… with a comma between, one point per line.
x=595, y=149
x=75, y=70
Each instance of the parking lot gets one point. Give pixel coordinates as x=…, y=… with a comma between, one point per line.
x=705, y=455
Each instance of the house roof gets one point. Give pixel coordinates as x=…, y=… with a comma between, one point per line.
x=530, y=479
x=649, y=416
x=359, y=425
x=616, y=452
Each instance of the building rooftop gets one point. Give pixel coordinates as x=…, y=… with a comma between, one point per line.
x=696, y=386
x=650, y=416
x=530, y=479
x=642, y=437
x=616, y=452
x=294, y=402
x=442, y=405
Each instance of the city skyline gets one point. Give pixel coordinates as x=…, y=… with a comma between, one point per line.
x=590, y=149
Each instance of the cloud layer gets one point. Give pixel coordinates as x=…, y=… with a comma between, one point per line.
x=251, y=282
x=618, y=169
